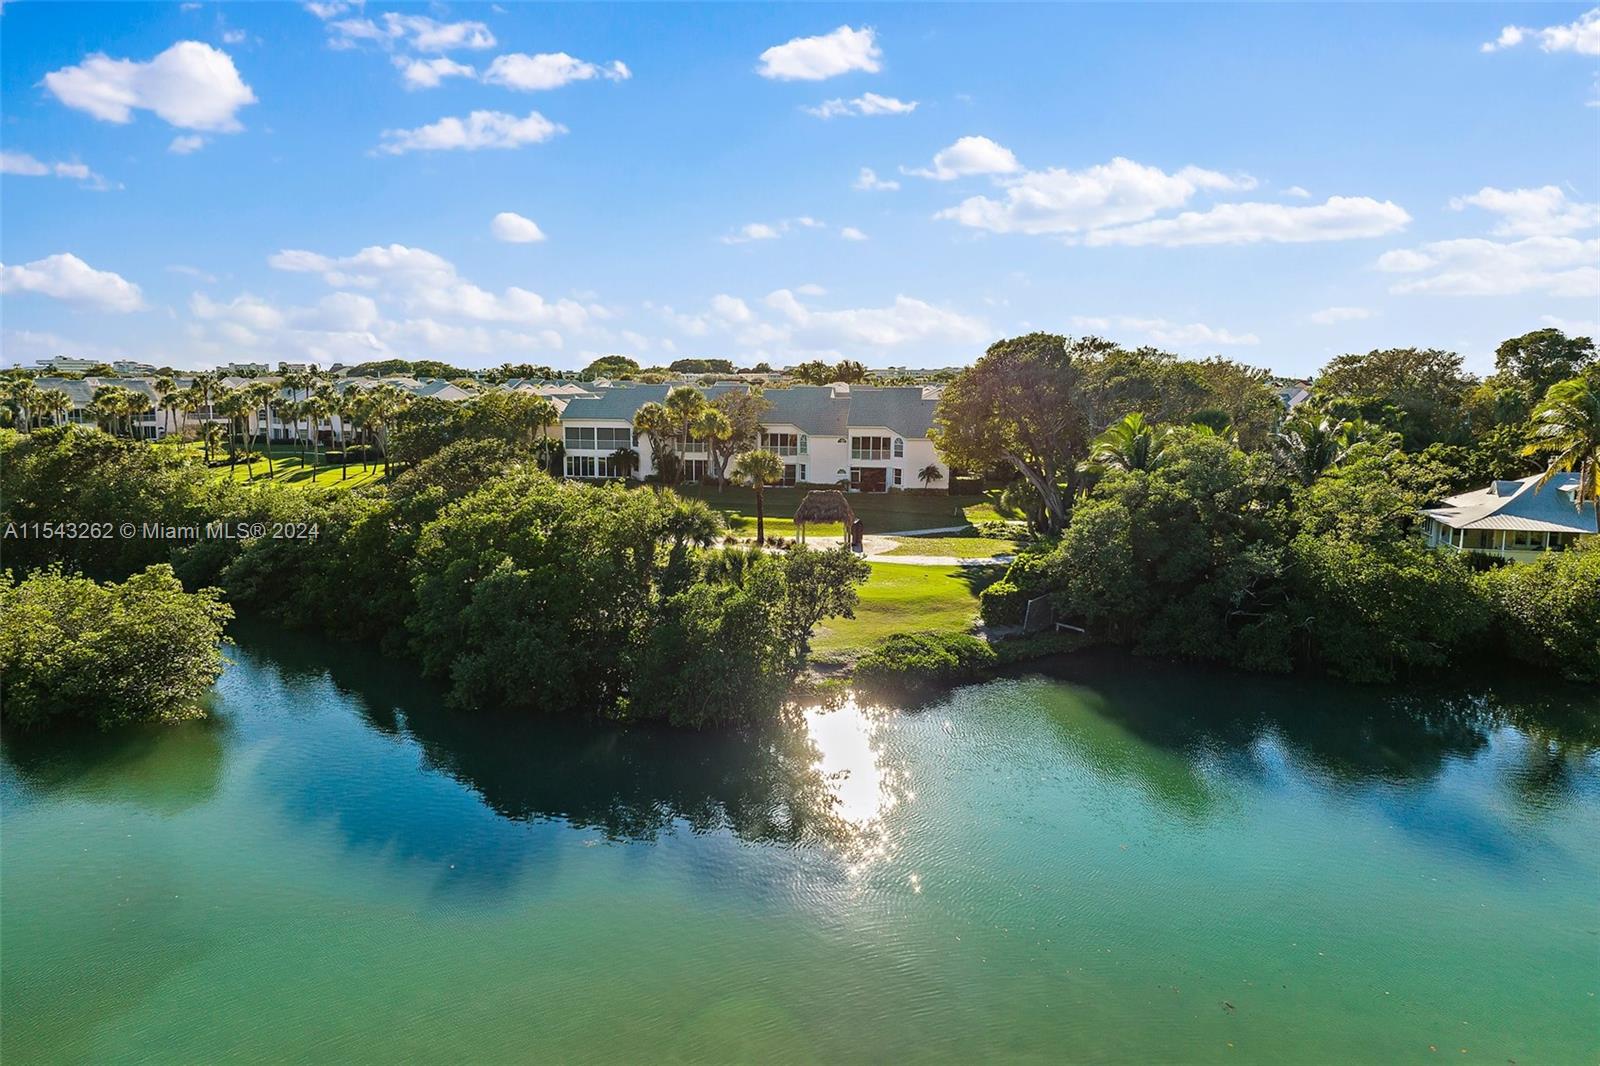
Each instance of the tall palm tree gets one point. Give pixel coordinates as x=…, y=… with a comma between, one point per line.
x=685, y=404
x=261, y=394
x=929, y=474
x=1130, y=443
x=191, y=400
x=25, y=394
x=759, y=468
x=106, y=407
x=715, y=428
x=315, y=408
x=1567, y=425
x=55, y=403
x=137, y=403
x=235, y=406
x=653, y=422
x=165, y=386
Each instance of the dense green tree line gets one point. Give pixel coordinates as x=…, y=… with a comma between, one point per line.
x=518, y=589
x=1296, y=544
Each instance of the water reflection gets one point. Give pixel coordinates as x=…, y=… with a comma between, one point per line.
x=160, y=769
x=828, y=778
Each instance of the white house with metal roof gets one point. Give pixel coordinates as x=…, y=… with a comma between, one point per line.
x=1514, y=519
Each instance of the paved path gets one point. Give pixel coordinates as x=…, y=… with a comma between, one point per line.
x=939, y=560
x=925, y=532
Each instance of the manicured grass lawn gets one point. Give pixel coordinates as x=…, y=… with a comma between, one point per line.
x=903, y=598
x=881, y=512
x=290, y=470
x=960, y=547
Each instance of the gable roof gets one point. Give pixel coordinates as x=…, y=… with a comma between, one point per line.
x=1519, y=505
x=816, y=410
x=901, y=408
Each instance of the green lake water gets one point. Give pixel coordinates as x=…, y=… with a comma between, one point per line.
x=1117, y=862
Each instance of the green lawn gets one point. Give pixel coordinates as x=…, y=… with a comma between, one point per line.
x=903, y=598
x=960, y=547
x=290, y=468
x=881, y=512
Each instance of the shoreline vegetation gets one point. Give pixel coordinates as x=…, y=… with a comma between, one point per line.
x=1167, y=507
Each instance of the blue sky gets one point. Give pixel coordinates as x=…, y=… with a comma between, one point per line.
x=197, y=183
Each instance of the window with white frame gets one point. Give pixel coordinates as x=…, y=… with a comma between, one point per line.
x=613, y=438
x=869, y=447
x=782, y=443
x=899, y=448
x=580, y=466
x=898, y=476
x=580, y=438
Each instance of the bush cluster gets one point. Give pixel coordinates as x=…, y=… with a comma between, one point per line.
x=142, y=650
x=912, y=662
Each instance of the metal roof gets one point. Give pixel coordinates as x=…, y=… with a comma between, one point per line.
x=1519, y=504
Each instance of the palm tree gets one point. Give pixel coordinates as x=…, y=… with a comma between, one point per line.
x=211, y=433
x=1128, y=444
x=138, y=403
x=929, y=474
x=262, y=393
x=234, y=405
x=23, y=393
x=1310, y=442
x=624, y=461
x=1567, y=424
x=760, y=468
x=652, y=422
x=315, y=408
x=106, y=407
x=190, y=401
x=715, y=428
x=165, y=386
x=684, y=405
x=55, y=403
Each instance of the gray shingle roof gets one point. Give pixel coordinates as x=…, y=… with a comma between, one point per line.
x=816, y=409
x=1519, y=505
x=899, y=407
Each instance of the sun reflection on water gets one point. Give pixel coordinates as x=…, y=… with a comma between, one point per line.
x=849, y=740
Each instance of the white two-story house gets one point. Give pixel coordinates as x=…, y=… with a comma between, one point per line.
x=872, y=439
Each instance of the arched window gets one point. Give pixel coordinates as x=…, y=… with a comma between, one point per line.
x=899, y=448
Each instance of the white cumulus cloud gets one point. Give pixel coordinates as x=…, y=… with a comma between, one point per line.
x=1554, y=266
x=191, y=85
x=865, y=104
x=186, y=144
x=531, y=73
x=1581, y=36
x=1544, y=211
x=906, y=320
x=1063, y=201
x=25, y=165
x=850, y=233
x=1340, y=218
x=868, y=180
x=64, y=276
x=417, y=32
x=428, y=284
x=513, y=228
x=816, y=58
x=480, y=129
x=1330, y=316
x=967, y=156
x=430, y=73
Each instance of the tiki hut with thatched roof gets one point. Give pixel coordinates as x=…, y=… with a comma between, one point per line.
x=824, y=505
